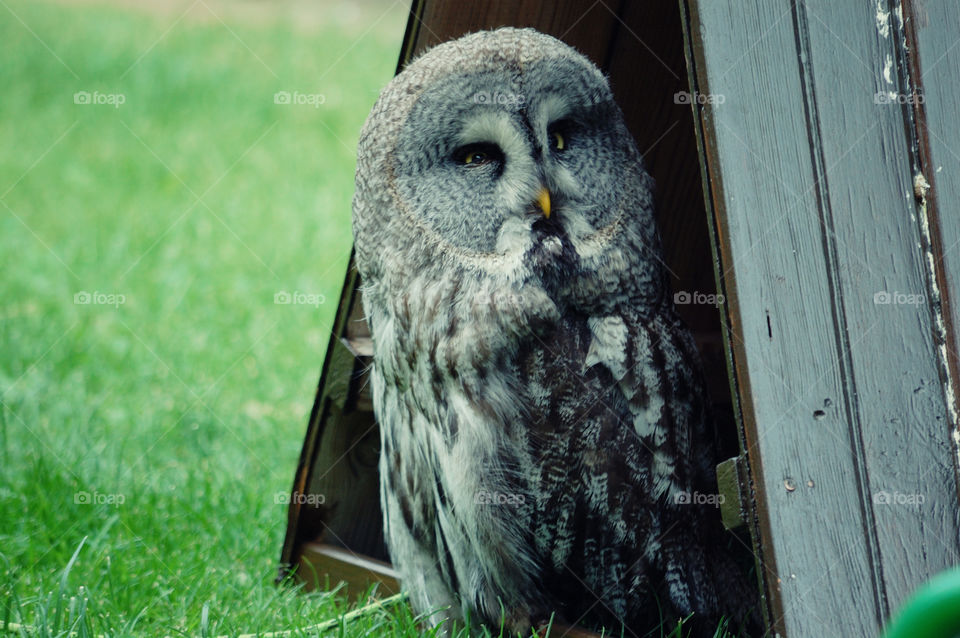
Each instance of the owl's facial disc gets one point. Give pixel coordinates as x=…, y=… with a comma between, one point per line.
x=484, y=154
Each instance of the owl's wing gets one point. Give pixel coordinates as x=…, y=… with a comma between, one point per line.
x=619, y=426
x=658, y=371
x=656, y=367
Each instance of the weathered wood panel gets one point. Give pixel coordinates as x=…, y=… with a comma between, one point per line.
x=333, y=565
x=811, y=180
x=868, y=158
x=933, y=31
x=335, y=494
x=359, y=573
x=585, y=24
x=753, y=182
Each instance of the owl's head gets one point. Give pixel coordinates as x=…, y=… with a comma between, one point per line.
x=503, y=154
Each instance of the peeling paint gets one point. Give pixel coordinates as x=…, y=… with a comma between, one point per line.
x=888, y=69
x=920, y=188
x=883, y=20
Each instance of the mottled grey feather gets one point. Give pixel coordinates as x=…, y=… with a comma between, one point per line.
x=541, y=406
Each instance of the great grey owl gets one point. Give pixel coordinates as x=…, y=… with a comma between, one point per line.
x=541, y=405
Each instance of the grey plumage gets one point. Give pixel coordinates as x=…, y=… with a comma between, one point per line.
x=541, y=406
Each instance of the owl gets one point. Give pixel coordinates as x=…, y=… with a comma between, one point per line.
x=542, y=412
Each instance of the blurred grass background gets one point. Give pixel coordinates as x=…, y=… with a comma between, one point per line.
x=183, y=389
x=155, y=203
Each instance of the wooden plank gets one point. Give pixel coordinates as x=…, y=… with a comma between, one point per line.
x=777, y=292
x=585, y=24
x=896, y=401
x=302, y=528
x=811, y=183
x=931, y=32
x=331, y=565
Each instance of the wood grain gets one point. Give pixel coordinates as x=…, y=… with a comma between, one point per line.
x=332, y=565
x=587, y=25
x=811, y=179
x=933, y=31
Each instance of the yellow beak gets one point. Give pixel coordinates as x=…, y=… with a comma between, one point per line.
x=543, y=201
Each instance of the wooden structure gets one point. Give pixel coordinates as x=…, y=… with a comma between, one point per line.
x=824, y=136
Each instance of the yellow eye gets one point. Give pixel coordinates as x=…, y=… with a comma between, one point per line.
x=478, y=154
x=558, y=142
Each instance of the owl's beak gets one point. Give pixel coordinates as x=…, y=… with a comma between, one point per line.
x=543, y=201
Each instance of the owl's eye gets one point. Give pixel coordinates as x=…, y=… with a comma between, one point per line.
x=475, y=157
x=478, y=154
x=559, y=135
x=557, y=142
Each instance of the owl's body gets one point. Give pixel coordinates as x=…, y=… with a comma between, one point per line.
x=541, y=406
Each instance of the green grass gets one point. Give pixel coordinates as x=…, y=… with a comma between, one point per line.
x=177, y=403
x=198, y=200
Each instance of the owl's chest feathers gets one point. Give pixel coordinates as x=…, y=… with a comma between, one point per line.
x=519, y=445
x=584, y=400
x=519, y=363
